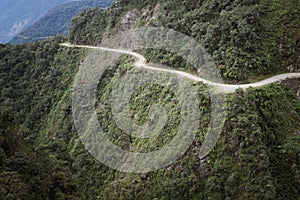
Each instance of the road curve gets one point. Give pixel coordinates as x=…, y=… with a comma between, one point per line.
x=226, y=88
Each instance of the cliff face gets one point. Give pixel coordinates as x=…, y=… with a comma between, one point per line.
x=256, y=156
x=129, y=20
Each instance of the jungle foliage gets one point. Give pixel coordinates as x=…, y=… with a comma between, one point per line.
x=246, y=38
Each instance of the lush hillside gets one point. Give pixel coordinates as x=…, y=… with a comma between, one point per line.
x=57, y=20
x=256, y=157
x=16, y=15
x=246, y=38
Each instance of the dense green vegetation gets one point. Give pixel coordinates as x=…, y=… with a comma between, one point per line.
x=256, y=157
x=246, y=38
x=28, y=74
x=57, y=20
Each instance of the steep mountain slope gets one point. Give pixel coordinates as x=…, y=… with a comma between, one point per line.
x=16, y=15
x=246, y=38
x=256, y=157
x=57, y=20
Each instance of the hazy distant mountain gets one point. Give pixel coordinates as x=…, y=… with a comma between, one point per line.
x=16, y=15
x=57, y=20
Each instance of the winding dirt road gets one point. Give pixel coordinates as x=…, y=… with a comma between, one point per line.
x=226, y=88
